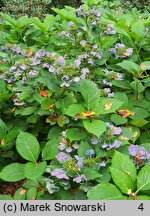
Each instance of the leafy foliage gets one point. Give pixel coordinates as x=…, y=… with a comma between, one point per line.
x=75, y=104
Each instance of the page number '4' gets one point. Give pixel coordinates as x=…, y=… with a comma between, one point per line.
x=141, y=207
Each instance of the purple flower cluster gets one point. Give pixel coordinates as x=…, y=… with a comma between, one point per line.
x=110, y=29
x=63, y=157
x=115, y=130
x=60, y=174
x=115, y=145
x=112, y=75
x=120, y=51
x=17, y=101
x=79, y=178
x=140, y=152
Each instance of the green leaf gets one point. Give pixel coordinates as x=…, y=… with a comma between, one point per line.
x=51, y=149
x=113, y=105
x=137, y=86
x=122, y=32
x=145, y=65
x=144, y=137
x=2, y=86
x=117, y=120
x=139, y=123
x=65, y=102
x=28, y=111
x=83, y=147
x=92, y=96
x=143, y=179
x=76, y=134
x=123, y=163
x=130, y=66
x=121, y=179
x=105, y=191
x=96, y=127
x=12, y=134
x=13, y=172
x=31, y=194
x=74, y=109
x=3, y=129
x=143, y=197
x=49, y=22
x=39, y=24
x=34, y=170
x=20, y=194
x=140, y=113
x=91, y=174
x=27, y=146
x=121, y=84
x=5, y=197
x=146, y=146
x=138, y=28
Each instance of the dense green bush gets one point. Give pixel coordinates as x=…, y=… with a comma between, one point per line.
x=40, y=8
x=75, y=104
x=19, y=8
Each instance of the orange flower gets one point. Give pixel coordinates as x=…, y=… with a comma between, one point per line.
x=125, y=113
x=44, y=93
x=88, y=114
x=51, y=106
x=29, y=52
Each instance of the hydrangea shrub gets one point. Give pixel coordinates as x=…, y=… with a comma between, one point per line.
x=75, y=105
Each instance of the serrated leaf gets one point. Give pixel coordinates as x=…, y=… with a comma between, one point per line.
x=91, y=98
x=31, y=193
x=28, y=111
x=138, y=28
x=3, y=129
x=34, y=170
x=121, y=179
x=105, y=192
x=96, y=127
x=91, y=174
x=122, y=162
x=51, y=149
x=20, y=194
x=13, y=172
x=75, y=134
x=5, y=197
x=143, y=179
x=130, y=66
x=115, y=104
x=83, y=147
x=27, y=146
x=74, y=110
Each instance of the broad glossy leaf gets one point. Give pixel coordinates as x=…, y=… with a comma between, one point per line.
x=3, y=129
x=74, y=109
x=122, y=162
x=115, y=105
x=5, y=197
x=76, y=134
x=143, y=179
x=51, y=149
x=130, y=66
x=31, y=193
x=27, y=146
x=105, y=191
x=90, y=93
x=96, y=127
x=83, y=147
x=20, y=194
x=34, y=170
x=138, y=28
x=13, y=172
x=121, y=179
